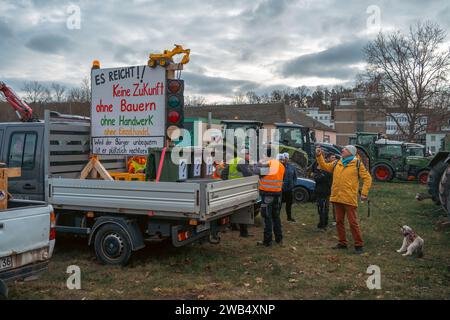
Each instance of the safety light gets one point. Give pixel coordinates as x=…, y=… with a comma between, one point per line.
x=95, y=64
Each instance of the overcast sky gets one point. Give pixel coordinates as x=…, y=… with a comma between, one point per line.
x=236, y=45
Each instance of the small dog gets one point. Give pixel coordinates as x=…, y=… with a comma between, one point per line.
x=412, y=243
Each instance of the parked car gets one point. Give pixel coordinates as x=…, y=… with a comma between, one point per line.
x=27, y=233
x=304, y=190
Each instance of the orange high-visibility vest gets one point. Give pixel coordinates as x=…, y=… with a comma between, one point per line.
x=273, y=182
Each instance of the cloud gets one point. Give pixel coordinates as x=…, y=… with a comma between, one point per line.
x=199, y=83
x=5, y=30
x=236, y=45
x=335, y=62
x=49, y=43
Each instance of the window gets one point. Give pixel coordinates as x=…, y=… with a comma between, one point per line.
x=433, y=138
x=433, y=149
x=389, y=150
x=22, y=150
x=326, y=138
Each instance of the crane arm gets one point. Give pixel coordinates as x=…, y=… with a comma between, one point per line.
x=23, y=110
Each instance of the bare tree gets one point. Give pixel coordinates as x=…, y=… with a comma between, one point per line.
x=194, y=101
x=58, y=92
x=35, y=92
x=81, y=93
x=239, y=98
x=252, y=97
x=407, y=74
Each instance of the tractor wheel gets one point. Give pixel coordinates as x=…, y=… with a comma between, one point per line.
x=382, y=172
x=433, y=180
x=444, y=190
x=422, y=177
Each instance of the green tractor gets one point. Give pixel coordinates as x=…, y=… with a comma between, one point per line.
x=389, y=159
x=439, y=177
x=295, y=139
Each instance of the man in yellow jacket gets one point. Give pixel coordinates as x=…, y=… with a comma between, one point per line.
x=344, y=192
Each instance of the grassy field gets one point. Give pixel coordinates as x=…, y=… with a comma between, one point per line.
x=305, y=268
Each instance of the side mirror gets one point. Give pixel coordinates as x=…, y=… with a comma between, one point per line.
x=312, y=136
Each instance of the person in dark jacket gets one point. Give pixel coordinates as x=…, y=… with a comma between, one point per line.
x=322, y=191
x=289, y=181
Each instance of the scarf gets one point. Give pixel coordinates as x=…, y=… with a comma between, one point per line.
x=347, y=160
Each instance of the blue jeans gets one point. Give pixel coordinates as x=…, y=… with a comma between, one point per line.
x=270, y=211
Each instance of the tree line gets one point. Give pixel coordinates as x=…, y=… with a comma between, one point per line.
x=35, y=92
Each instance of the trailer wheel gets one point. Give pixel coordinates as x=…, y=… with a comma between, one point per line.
x=382, y=172
x=112, y=245
x=301, y=195
x=422, y=177
x=444, y=190
x=434, y=177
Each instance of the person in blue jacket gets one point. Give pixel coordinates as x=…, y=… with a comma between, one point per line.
x=289, y=181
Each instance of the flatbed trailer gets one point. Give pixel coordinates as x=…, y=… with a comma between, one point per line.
x=119, y=216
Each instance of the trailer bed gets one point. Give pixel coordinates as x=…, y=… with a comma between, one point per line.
x=202, y=200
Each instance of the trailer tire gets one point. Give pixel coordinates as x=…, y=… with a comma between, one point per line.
x=434, y=178
x=112, y=245
x=382, y=172
x=444, y=190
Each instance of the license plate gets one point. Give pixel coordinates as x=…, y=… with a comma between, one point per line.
x=5, y=263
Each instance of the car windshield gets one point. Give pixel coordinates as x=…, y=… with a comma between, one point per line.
x=292, y=137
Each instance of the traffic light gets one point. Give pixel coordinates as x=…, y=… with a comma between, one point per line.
x=175, y=103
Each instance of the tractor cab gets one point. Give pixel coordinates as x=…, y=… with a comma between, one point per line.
x=297, y=136
x=293, y=139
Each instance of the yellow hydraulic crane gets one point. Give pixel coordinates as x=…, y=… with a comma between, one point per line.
x=163, y=59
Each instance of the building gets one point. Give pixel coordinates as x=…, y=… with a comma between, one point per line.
x=436, y=133
x=268, y=114
x=352, y=115
x=397, y=120
x=324, y=116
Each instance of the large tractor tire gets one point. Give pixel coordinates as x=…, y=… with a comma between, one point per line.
x=382, y=172
x=434, y=178
x=444, y=190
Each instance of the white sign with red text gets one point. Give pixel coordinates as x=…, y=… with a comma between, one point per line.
x=128, y=110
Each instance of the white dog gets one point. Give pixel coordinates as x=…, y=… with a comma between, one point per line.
x=412, y=243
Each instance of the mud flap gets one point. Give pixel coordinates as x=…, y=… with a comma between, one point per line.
x=244, y=216
x=3, y=290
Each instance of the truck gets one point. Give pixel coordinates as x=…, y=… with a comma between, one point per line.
x=27, y=233
x=389, y=159
x=117, y=217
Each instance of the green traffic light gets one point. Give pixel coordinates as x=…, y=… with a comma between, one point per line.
x=173, y=101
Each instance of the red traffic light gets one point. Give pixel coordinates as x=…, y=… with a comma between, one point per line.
x=174, y=86
x=173, y=117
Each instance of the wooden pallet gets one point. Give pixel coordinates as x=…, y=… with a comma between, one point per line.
x=6, y=173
